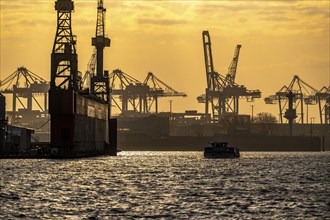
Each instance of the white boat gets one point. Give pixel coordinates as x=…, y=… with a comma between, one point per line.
x=221, y=150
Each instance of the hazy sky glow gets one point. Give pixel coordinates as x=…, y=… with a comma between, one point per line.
x=279, y=39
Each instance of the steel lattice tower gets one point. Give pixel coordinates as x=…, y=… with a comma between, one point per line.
x=100, y=82
x=64, y=62
x=100, y=41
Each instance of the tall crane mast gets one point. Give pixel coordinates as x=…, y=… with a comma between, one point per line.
x=215, y=82
x=100, y=41
x=64, y=63
x=100, y=82
x=209, y=68
x=230, y=78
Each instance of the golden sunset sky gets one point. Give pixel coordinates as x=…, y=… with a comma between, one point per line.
x=279, y=39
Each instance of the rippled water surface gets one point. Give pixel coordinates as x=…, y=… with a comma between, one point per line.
x=170, y=185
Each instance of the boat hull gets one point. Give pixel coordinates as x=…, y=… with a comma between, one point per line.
x=220, y=155
x=221, y=150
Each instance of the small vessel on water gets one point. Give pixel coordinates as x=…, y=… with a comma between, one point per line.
x=221, y=150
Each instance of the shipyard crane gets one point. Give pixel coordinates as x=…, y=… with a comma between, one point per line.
x=100, y=81
x=323, y=99
x=222, y=93
x=158, y=89
x=303, y=93
x=27, y=88
x=80, y=121
x=64, y=60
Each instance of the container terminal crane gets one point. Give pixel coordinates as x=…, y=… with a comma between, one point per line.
x=131, y=96
x=80, y=107
x=29, y=98
x=305, y=95
x=222, y=93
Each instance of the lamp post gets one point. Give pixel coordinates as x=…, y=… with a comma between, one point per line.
x=252, y=106
x=312, y=120
x=171, y=106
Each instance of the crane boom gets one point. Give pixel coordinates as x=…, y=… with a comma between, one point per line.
x=230, y=78
x=208, y=59
x=90, y=72
x=157, y=84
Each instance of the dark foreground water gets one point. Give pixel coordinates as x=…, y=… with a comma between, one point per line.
x=170, y=185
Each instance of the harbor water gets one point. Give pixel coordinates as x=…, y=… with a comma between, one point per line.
x=169, y=185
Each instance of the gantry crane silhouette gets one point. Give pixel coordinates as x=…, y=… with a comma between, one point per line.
x=304, y=94
x=137, y=96
x=26, y=89
x=158, y=89
x=222, y=92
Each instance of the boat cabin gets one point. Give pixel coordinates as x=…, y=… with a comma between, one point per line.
x=219, y=144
